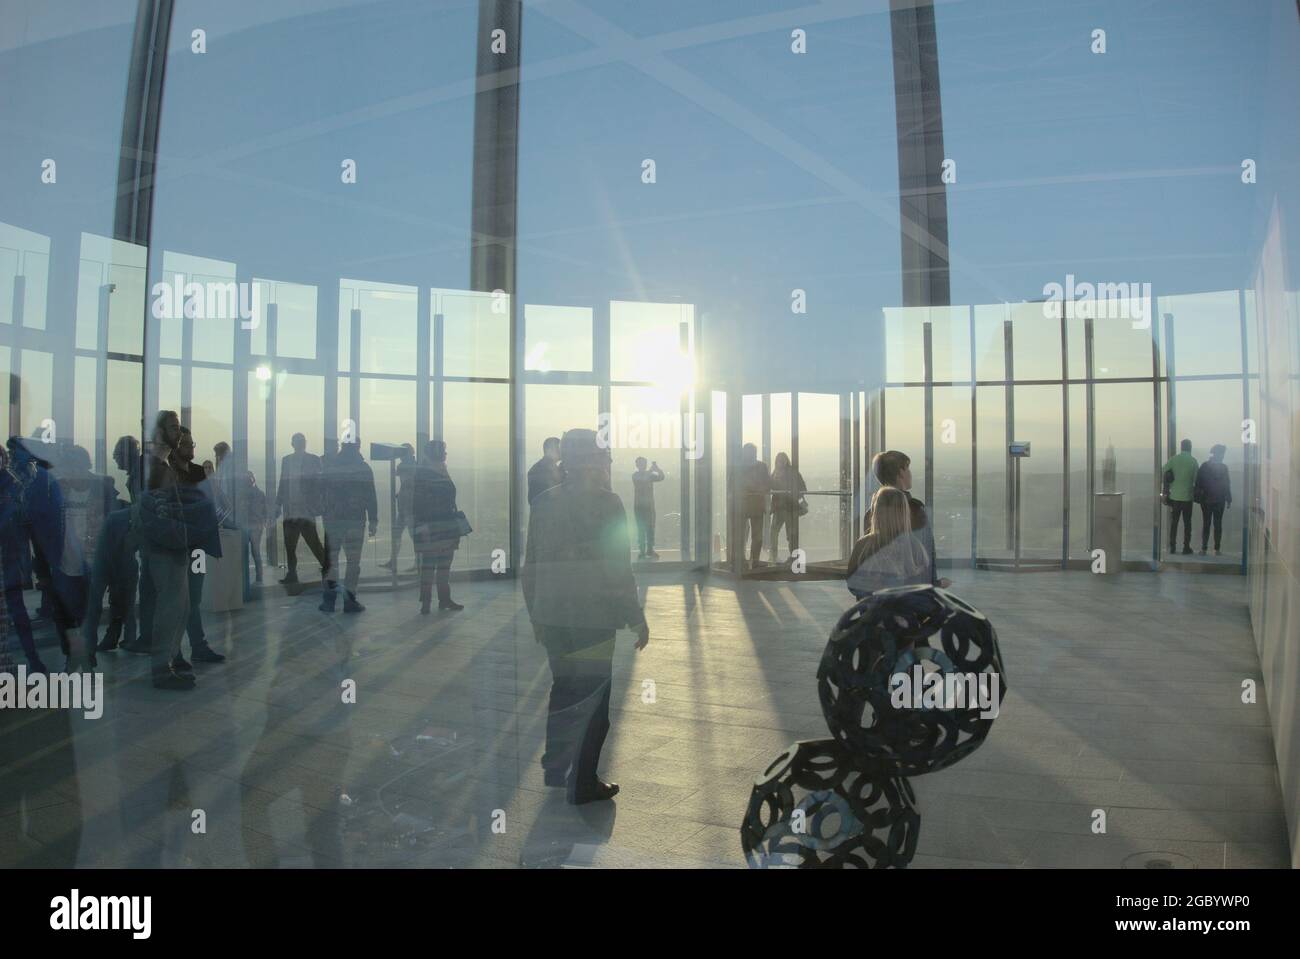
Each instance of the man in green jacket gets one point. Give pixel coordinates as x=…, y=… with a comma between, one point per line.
x=1180, y=475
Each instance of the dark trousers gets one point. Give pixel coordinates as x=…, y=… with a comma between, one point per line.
x=120, y=576
x=784, y=518
x=753, y=528
x=253, y=535
x=194, y=622
x=1211, y=512
x=1179, y=508
x=346, y=537
x=435, y=567
x=14, y=547
x=577, y=718
x=645, y=528
x=306, y=528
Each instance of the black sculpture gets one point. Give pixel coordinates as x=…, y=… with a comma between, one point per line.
x=817, y=807
x=916, y=637
x=910, y=682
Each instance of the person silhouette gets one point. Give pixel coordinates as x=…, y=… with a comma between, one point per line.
x=579, y=590
x=436, y=525
x=297, y=498
x=350, y=504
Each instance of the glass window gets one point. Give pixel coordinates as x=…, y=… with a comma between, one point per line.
x=950, y=512
x=475, y=334
x=651, y=343
x=1207, y=332
x=557, y=338
x=1124, y=414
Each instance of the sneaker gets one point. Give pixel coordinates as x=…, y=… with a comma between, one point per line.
x=289, y=580
x=181, y=665
x=1187, y=551
x=350, y=605
x=107, y=645
x=206, y=654
x=555, y=777
x=451, y=606
x=652, y=554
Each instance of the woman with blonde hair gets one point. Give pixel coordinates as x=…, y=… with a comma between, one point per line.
x=889, y=554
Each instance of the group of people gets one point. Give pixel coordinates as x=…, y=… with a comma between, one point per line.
x=897, y=548
x=71, y=535
x=1186, y=483
x=68, y=533
x=784, y=486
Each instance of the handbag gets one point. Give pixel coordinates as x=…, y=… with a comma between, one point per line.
x=801, y=507
x=462, y=523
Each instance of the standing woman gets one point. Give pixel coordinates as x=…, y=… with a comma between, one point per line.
x=436, y=524
x=788, y=488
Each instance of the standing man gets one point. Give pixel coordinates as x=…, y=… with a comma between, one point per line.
x=194, y=476
x=349, y=502
x=894, y=469
x=1180, y=477
x=643, y=506
x=579, y=590
x=1213, y=491
x=297, y=497
x=545, y=473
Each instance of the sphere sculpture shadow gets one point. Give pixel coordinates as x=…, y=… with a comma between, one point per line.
x=889, y=649
x=816, y=806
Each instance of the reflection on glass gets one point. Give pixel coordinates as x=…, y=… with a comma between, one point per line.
x=651, y=343
x=1207, y=332
x=475, y=333
x=557, y=338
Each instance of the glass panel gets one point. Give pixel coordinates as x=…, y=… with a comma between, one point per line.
x=557, y=338
x=819, y=464
x=1036, y=342
x=1118, y=348
x=1125, y=414
x=36, y=391
x=388, y=330
x=905, y=430
x=1207, y=332
x=718, y=467
x=476, y=334
x=990, y=342
x=950, y=343
x=905, y=344
x=992, y=540
x=1080, y=540
x=477, y=432
x=950, y=512
x=1039, y=422
x=648, y=344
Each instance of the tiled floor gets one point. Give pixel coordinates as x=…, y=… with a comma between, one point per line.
x=1123, y=696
